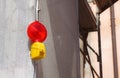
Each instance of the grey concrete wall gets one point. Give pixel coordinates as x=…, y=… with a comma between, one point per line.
x=14, y=53
x=60, y=19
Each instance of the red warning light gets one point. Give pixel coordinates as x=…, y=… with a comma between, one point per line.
x=37, y=32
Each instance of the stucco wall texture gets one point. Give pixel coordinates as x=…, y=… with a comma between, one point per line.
x=62, y=43
x=107, y=55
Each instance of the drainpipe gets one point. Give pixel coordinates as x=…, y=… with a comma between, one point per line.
x=114, y=48
x=99, y=43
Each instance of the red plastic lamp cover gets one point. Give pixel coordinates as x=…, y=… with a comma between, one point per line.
x=37, y=32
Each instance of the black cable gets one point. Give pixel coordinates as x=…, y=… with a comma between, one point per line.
x=89, y=63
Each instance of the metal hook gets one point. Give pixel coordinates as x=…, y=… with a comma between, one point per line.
x=37, y=10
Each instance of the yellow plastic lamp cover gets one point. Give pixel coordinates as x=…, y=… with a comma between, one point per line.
x=38, y=51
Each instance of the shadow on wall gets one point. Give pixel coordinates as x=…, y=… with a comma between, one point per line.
x=63, y=18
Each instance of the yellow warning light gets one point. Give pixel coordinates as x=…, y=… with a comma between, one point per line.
x=38, y=51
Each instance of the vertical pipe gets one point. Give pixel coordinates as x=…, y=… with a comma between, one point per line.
x=78, y=53
x=36, y=19
x=114, y=48
x=100, y=52
x=37, y=10
x=99, y=44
